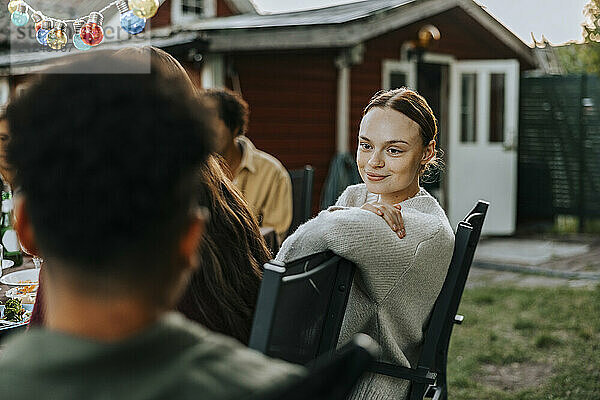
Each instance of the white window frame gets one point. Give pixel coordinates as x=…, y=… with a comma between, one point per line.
x=409, y=68
x=178, y=17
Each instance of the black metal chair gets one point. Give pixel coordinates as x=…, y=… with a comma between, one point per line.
x=301, y=306
x=302, y=187
x=428, y=379
x=332, y=378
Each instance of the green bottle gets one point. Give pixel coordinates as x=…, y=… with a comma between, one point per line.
x=10, y=241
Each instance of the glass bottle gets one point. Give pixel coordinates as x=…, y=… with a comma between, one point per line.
x=10, y=241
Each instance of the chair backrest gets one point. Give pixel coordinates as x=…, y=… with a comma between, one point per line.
x=442, y=317
x=438, y=317
x=332, y=378
x=302, y=187
x=475, y=219
x=301, y=306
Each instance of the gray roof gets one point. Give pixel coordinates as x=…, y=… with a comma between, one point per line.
x=322, y=16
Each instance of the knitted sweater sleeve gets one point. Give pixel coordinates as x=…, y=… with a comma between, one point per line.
x=364, y=238
x=352, y=196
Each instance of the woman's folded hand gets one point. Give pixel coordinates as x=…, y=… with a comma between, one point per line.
x=392, y=214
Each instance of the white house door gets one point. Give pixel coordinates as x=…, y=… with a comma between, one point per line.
x=482, y=151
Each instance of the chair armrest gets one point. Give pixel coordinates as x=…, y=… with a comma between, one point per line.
x=419, y=375
x=458, y=319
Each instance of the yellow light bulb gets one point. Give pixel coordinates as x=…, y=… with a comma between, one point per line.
x=144, y=8
x=12, y=5
x=57, y=37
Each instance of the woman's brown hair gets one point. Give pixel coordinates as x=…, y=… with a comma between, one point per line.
x=223, y=291
x=415, y=107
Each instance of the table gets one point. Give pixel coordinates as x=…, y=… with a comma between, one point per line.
x=27, y=264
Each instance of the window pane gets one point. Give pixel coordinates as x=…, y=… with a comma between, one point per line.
x=397, y=80
x=468, y=108
x=192, y=6
x=497, y=108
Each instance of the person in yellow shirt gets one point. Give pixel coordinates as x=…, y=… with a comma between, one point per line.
x=262, y=179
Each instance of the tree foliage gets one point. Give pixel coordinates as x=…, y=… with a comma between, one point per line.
x=586, y=57
x=579, y=58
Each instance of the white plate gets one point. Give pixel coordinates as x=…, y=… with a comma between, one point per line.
x=7, y=263
x=23, y=277
x=26, y=317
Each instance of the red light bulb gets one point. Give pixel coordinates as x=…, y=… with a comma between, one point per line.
x=37, y=18
x=92, y=33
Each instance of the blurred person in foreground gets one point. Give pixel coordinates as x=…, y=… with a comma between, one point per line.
x=262, y=179
x=222, y=292
x=107, y=196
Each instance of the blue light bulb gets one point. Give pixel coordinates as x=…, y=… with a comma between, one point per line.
x=19, y=18
x=131, y=23
x=79, y=43
x=41, y=36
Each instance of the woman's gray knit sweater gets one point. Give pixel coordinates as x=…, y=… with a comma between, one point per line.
x=397, y=281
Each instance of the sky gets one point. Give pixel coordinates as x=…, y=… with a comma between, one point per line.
x=558, y=20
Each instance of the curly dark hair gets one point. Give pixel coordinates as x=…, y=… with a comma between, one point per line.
x=223, y=291
x=231, y=107
x=107, y=165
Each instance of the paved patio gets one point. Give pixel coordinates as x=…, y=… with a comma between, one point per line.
x=544, y=261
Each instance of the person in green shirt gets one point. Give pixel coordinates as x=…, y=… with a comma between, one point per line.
x=105, y=193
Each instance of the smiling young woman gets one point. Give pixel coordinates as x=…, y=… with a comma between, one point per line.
x=399, y=272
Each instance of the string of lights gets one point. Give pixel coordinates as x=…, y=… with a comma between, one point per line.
x=88, y=31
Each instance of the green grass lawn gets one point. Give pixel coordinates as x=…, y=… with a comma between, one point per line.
x=520, y=343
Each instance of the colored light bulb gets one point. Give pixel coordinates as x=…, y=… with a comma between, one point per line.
x=77, y=40
x=20, y=16
x=37, y=18
x=144, y=8
x=12, y=5
x=57, y=37
x=92, y=33
x=130, y=22
x=80, y=44
x=42, y=34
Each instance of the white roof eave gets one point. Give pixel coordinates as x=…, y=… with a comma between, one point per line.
x=321, y=36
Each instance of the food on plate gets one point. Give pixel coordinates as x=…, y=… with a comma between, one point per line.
x=26, y=294
x=26, y=281
x=13, y=310
x=29, y=298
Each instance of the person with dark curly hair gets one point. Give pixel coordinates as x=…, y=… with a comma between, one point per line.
x=262, y=179
x=106, y=167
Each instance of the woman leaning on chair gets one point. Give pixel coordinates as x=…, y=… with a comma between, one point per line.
x=400, y=270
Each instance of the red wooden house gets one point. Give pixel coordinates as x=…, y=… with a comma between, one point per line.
x=307, y=75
